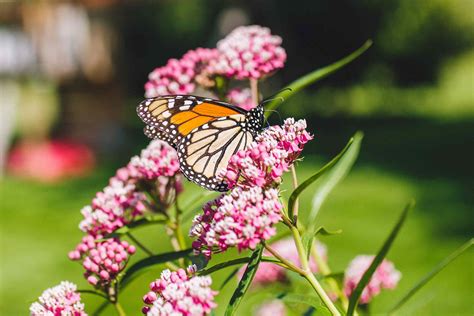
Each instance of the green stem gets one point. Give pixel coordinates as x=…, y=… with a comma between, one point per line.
x=139, y=244
x=295, y=185
x=325, y=270
x=322, y=294
x=119, y=309
x=289, y=264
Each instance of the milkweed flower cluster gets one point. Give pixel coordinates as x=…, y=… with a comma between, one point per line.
x=240, y=219
x=112, y=208
x=269, y=273
x=103, y=261
x=178, y=76
x=179, y=293
x=247, y=52
x=385, y=277
x=242, y=98
x=122, y=201
x=62, y=299
x=250, y=52
x=272, y=153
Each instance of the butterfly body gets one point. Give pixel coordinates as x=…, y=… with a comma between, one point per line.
x=205, y=133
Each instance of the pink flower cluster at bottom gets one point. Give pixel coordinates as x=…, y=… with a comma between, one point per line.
x=269, y=272
x=177, y=293
x=385, y=277
x=103, y=260
x=61, y=299
x=240, y=219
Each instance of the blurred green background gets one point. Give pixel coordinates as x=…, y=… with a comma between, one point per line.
x=411, y=94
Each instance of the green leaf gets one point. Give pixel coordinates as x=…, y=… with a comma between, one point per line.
x=139, y=266
x=234, y=262
x=305, y=299
x=333, y=177
x=313, y=77
x=296, y=193
x=308, y=239
x=431, y=275
x=147, y=220
x=245, y=281
x=355, y=296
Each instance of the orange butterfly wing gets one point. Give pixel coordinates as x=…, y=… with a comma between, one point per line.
x=177, y=116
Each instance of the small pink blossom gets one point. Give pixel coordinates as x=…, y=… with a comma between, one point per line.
x=268, y=272
x=271, y=308
x=241, y=98
x=178, y=76
x=272, y=153
x=385, y=277
x=249, y=52
x=62, y=299
x=240, y=219
x=102, y=260
x=177, y=293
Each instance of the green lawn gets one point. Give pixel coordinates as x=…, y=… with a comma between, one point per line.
x=39, y=226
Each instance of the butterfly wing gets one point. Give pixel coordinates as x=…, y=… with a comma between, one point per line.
x=208, y=149
x=174, y=117
x=153, y=133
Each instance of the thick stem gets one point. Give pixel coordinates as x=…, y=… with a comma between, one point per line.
x=289, y=264
x=119, y=309
x=325, y=270
x=322, y=294
x=254, y=91
x=295, y=185
x=308, y=274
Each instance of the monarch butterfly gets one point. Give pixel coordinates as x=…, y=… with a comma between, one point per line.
x=204, y=132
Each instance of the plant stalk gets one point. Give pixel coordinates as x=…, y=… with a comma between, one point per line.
x=254, y=90
x=295, y=185
x=289, y=264
x=119, y=309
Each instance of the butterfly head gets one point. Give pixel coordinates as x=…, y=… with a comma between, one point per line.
x=255, y=118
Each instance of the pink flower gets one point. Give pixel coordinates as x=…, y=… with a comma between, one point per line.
x=241, y=98
x=271, y=308
x=268, y=272
x=178, y=76
x=50, y=161
x=249, y=52
x=157, y=168
x=158, y=159
x=117, y=205
x=240, y=219
x=103, y=260
x=61, y=299
x=385, y=277
x=177, y=293
x=272, y=153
